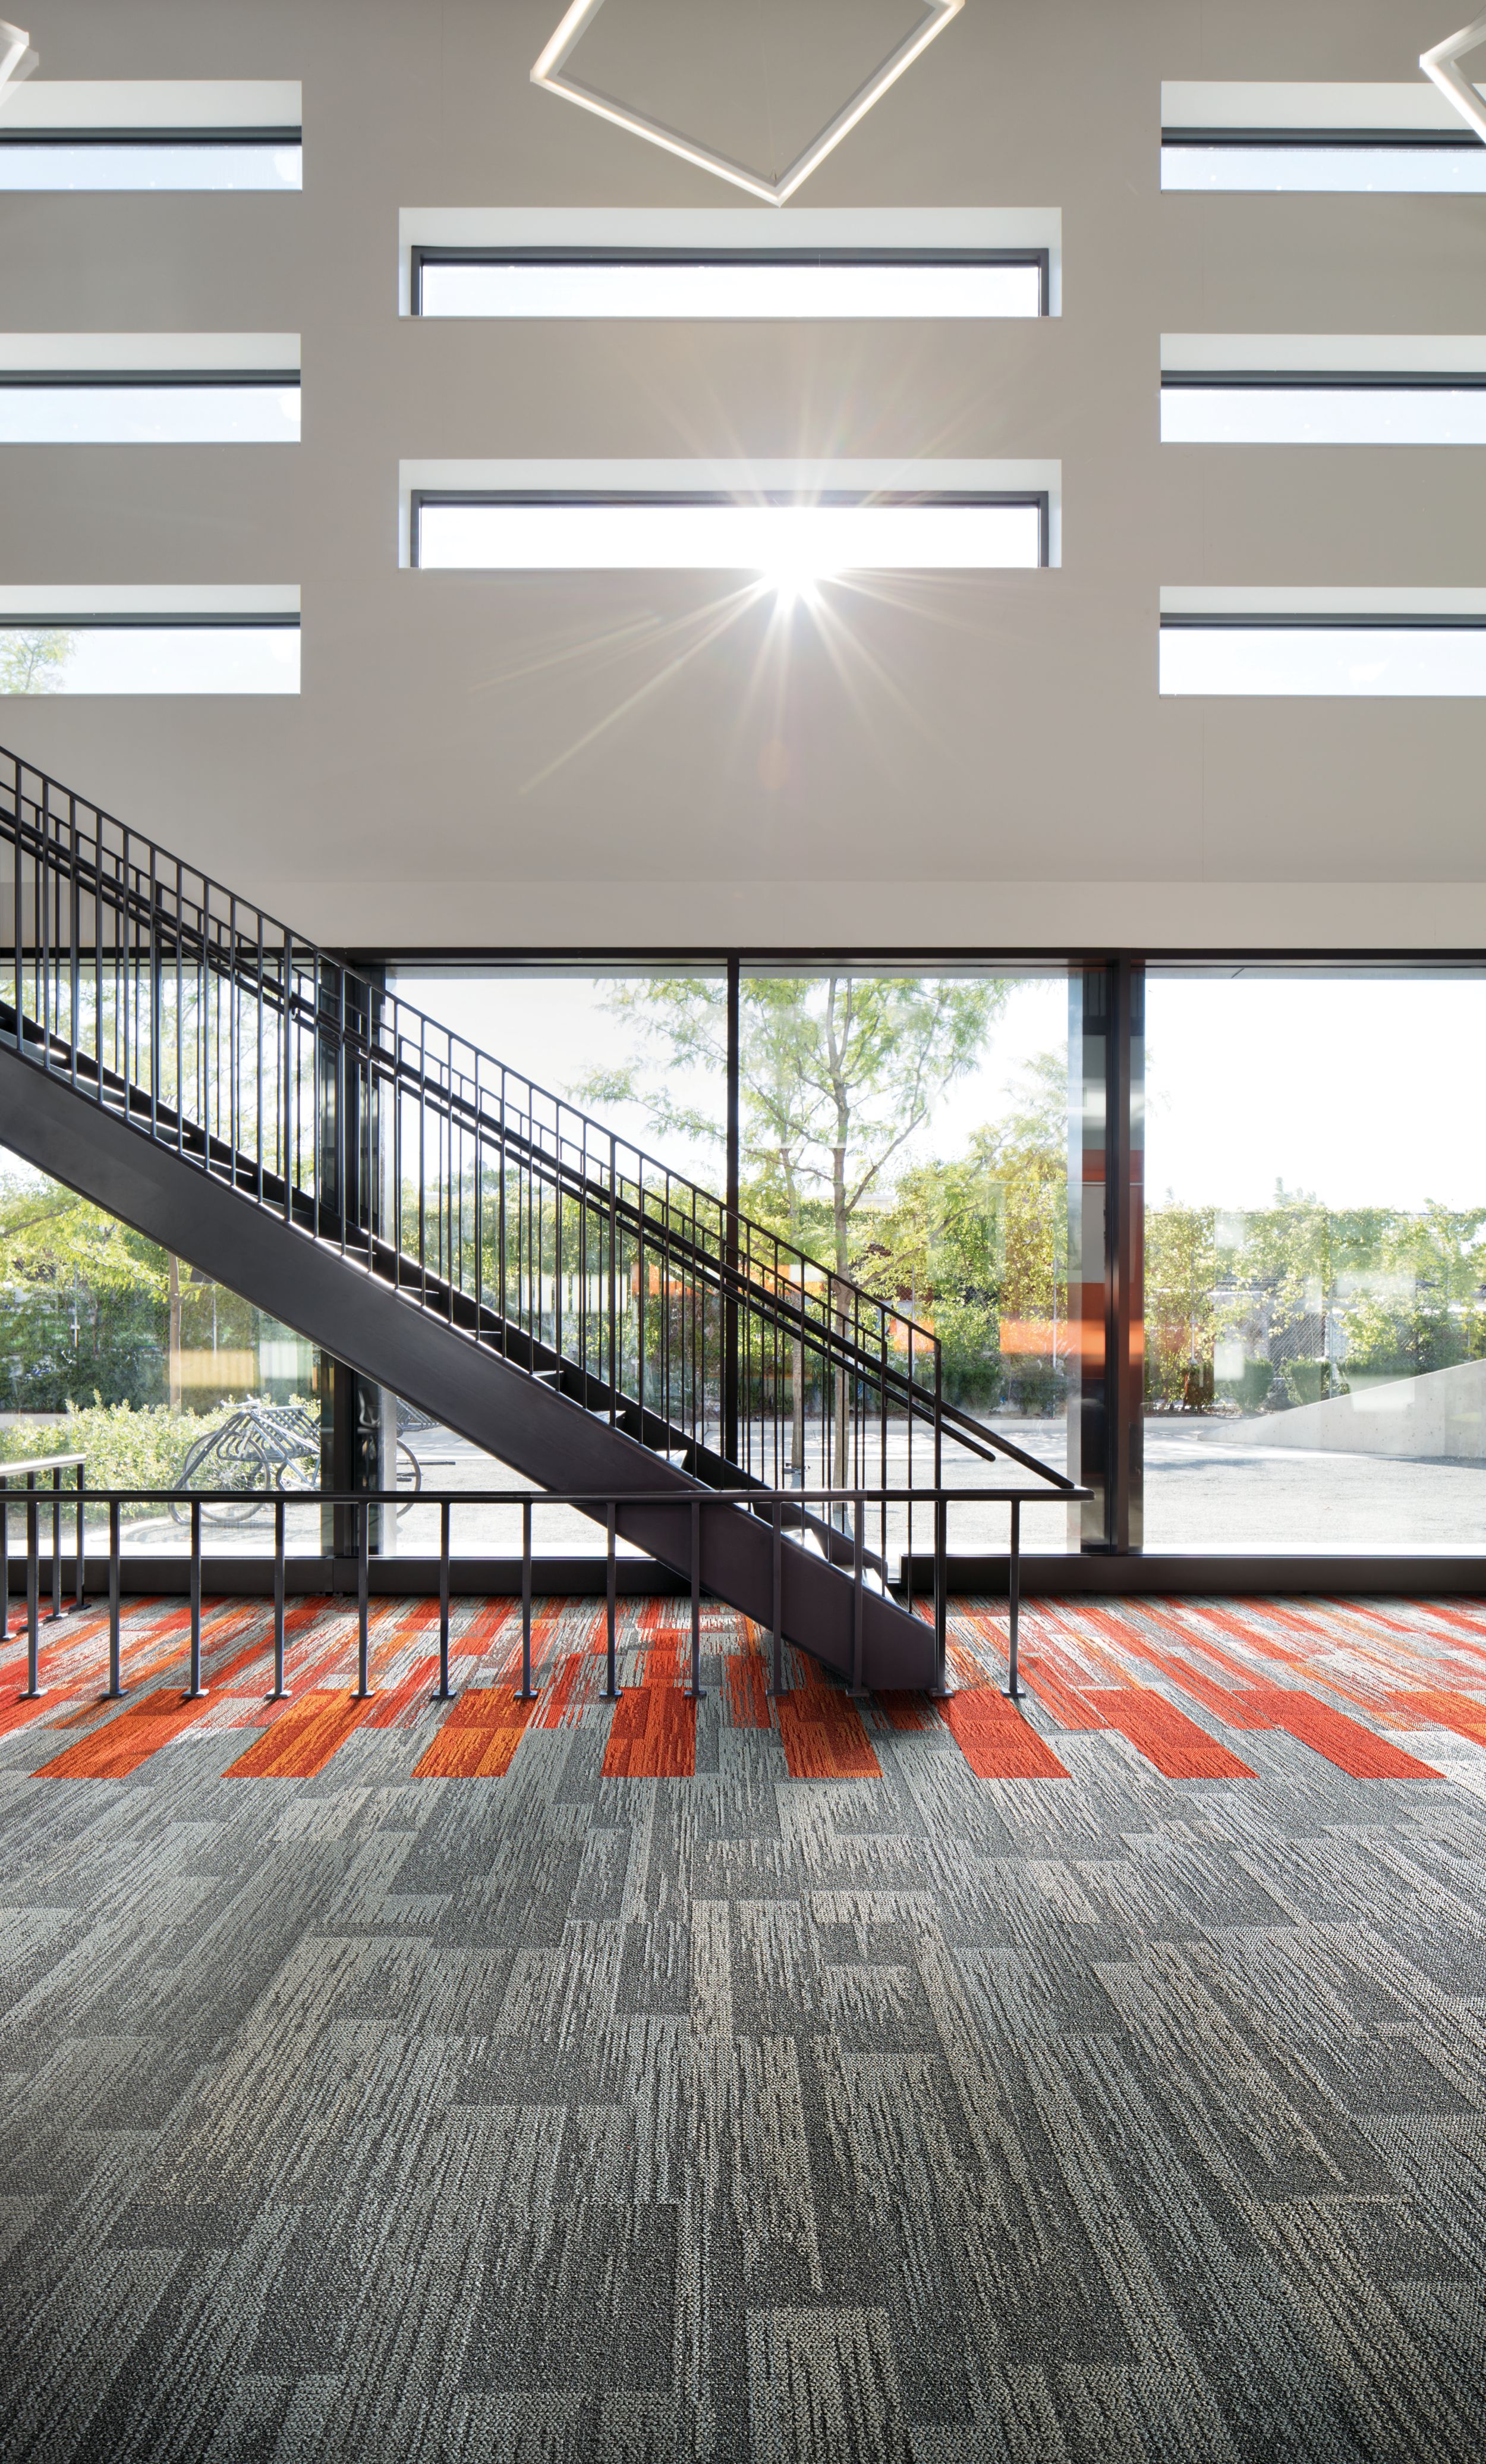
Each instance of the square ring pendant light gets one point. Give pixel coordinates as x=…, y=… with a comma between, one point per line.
x=17, y=59
x=1441, y=64
x=932, y=18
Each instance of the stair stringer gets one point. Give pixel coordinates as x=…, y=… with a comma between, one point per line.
x=518, y=1419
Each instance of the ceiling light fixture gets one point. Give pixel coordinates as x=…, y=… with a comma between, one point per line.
x=935, y=16
x=17, y=59
x=1456, y=88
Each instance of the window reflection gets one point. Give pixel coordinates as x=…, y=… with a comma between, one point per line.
x=1315, y=1265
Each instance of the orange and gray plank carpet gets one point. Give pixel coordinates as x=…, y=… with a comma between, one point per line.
x=1096, y=2078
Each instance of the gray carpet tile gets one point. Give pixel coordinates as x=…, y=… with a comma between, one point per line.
x=925, y=2118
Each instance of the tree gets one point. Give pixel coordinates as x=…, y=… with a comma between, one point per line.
x=837, y=1074
x=82, y=1300
x=32, y=661
x=981, y=1240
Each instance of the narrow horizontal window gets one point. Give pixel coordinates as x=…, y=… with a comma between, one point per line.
x=1286, y=408
x=1354, y=656
x=728, y=283
x=165, y=159
x=154, y=407
x=810, y=539
x=715, y=263
x=1373, y=162
x=150, y=654
x=151, y=133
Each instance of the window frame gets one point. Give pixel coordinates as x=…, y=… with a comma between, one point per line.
x=1314, y=140
x=1343, y=381
x=158, y=619
x=454, y=498
x=222, y=137
x=1111, y=1558
x=424, y=252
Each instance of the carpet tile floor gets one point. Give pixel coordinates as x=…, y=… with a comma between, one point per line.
x=1101, y=2076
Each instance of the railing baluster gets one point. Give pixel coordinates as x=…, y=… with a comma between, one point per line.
x=940, y=1688
x=611, y=1687
x=56, y=1547
x=114, y=1678
x=33, y=1591
x=528, y=1692
x=79, y=1561
x=196, y=1689
x=695, y=1691
x=777, y=1536
x=362, y=1515
x=278, y=1694
x=444, y=1695
x=1014, y=1687
x=858, y=1601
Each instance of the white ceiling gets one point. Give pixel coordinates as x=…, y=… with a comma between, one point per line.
x=582, y=760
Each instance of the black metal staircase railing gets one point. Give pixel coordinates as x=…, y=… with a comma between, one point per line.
x=477, y=1197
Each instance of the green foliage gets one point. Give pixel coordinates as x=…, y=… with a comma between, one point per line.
x=838, y=1074
x=32, y=658
x=978, y=1245
x=125, y=1448
x=1319, y=1296
x=83, y=1302
x=129, y=1448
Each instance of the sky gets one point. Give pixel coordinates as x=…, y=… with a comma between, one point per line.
x=1364, y=1092
x=554, y=1027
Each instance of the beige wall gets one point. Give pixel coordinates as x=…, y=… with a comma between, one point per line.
x=485, y=760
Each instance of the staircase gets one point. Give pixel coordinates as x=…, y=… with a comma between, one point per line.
x=448, y=1229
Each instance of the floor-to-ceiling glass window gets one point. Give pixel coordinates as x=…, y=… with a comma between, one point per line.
x=908, y=1130
x=900, y=1132
x=1315, y=1260
x=613, y=1075
x=157, y=1375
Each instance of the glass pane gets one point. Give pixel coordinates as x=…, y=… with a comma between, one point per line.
x=162, y=658
x=1219, y=414
x=159, y=1376
x=542, y=288
x=1449, y=171
x=202, y=165
x=644, y=1054
x=798, y=543
x=910, y=1132
x=1353, y=659
x=1315, y=1264
x=147, y=414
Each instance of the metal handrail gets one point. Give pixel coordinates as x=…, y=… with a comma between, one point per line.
x=500, y=1209
x=771, y=1506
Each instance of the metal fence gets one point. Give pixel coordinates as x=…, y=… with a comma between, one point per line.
x=49, y=1568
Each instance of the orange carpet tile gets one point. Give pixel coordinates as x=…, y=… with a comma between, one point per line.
x=822, y=1736
x=488, y=1622
x=1440, y=1708
x=302, y=1740
x=567, y=1686
x=478, y=1740
x=393, y=1703
x=1344, y=1742
x=746, y=1674
x=910, y=1713
x=652, y=1735
x=995, y=1740
x=1174, y=1744
x=1048, y=1677
x=118, y=1748
x=1182, y=1669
